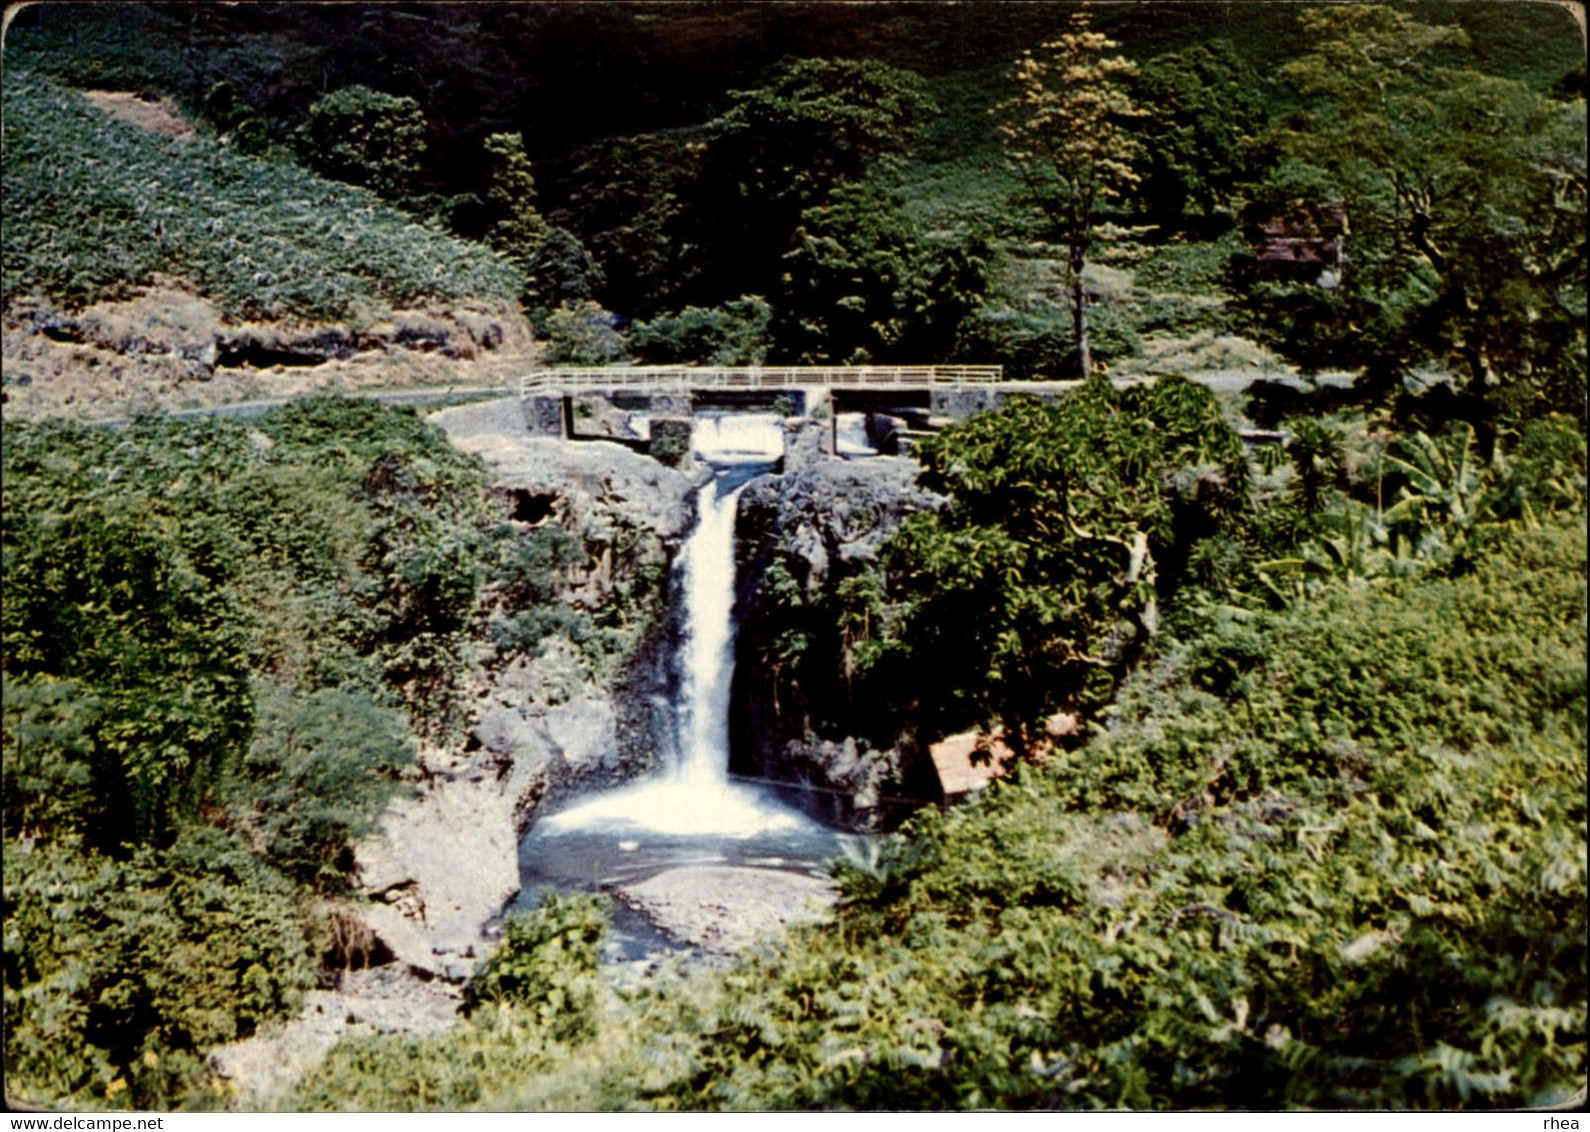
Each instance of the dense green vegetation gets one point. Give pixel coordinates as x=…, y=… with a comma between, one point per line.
x=1465, y=192
x=96, y=209
x=847, y=169
x=1323, y=853
x=1068, y=526
x=222, y=645
x=1320, y=841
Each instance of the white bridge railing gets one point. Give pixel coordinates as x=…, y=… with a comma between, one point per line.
x=601, y=379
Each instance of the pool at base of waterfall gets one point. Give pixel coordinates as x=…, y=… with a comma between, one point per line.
x=694, y=863
x=677, y=891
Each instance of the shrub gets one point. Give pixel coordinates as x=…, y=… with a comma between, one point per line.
x=316, y=777
x=560, y=274
x=366, y=137
x=582, y=334
x=546, y=965
x=671, y=447
x=119, y=974
x=736, y=333
x=105, y=601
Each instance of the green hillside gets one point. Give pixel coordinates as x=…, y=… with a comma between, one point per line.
x=97, y=208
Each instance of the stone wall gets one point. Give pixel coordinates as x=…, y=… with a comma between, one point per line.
x=543, y=416
x=961, y=402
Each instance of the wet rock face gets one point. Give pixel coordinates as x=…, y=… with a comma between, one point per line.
x=795, y=716
x=838, y=512
x=445, y=860
x=630, y=514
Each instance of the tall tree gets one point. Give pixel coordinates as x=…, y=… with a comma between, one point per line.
x=517, y=228
x=1204, y=116
x=1065, y=136
x=862, y=284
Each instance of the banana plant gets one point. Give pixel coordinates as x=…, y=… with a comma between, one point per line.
x=1448, y=497
x=1449, y=494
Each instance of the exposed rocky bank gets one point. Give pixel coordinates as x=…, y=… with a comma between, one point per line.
x=167, y=347
x=726, y=910
x=445, y=860
x=541, y=726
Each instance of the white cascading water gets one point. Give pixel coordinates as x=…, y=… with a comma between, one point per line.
x=708, y=564
x=732, y=436
x=695, y=796
x=850, y=436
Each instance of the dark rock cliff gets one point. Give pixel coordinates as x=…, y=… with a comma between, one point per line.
x=798, y=716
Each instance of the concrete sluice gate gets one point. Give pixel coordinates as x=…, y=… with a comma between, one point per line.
x=736, y=435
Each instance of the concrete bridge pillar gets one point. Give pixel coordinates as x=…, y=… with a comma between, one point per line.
x=543, y=415
x=816, y=401
x=960, y=403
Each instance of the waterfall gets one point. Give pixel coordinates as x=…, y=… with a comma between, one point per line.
x=734, y=436
x=693, y=796
x=708, y=654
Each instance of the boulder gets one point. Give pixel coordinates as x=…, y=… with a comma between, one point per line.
x=584, y=732
x=503, y=730
x=884, y=433
x=728, y=909
x=450, y=856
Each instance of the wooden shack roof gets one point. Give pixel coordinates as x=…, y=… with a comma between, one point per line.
x=1305, y=234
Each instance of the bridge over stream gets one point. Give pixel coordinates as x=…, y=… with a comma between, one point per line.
x=579, y=403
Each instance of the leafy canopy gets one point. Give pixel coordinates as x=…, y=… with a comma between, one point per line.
x=782, y=148
x=1466, y=193
x=1042, y=577
x=1202, y=119
x=516, y=226
x=119, y=975
x=860, y=283
x=366, y=137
